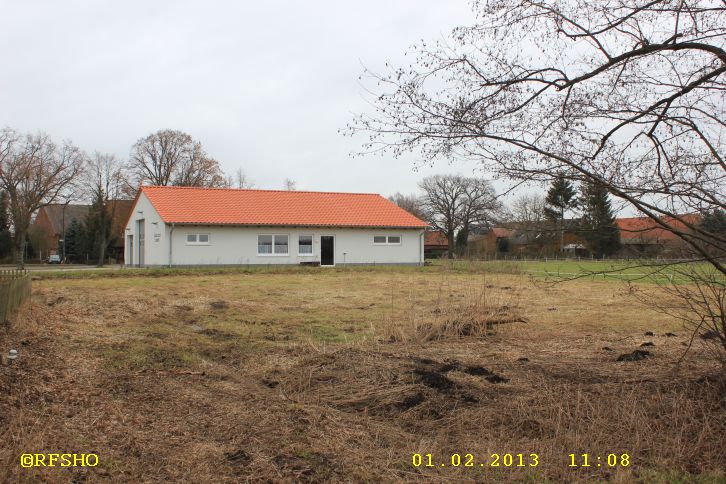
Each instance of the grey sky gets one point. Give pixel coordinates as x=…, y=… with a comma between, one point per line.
x=265, y=86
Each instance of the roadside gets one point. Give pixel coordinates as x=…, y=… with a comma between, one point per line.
x=60, y=267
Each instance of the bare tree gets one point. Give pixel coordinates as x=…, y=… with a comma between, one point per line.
x=104, y=183
x=410, y=203
x=479, y=208
x=290, y=184
x=628, y=95
x=34, y=172
x=454, y=202
x=529, y=216
x=239, y=180
x=442, y=201
x=170, y=157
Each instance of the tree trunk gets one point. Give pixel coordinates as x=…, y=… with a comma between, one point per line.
x=101, y=251
x=462, y=241
x=19, y=248
x=452, y=243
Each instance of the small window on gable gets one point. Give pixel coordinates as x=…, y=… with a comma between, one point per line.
x=203, y=238
x=305, y=245
x=386, y=240
x=191, y=238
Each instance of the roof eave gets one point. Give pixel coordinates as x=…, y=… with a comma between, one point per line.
x=226, y=224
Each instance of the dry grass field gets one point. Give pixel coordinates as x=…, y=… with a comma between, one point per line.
x=343, y=375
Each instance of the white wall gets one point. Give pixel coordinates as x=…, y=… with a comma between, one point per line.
x=156, y=243
x=238, y=245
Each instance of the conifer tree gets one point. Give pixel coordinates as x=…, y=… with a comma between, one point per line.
x=598, y=220
x=560, y=198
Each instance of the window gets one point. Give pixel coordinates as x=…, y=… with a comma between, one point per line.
x=264, y=244
x=197, y=239
x=387, y=240
x=272, y=245
x=280, y=244
x=305, y=245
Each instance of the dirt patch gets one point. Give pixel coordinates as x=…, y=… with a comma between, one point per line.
x=636, y=355
x=415, y=389
x=496, y=379
x=219, y=305
x=710, y=334
x=238, y=457
x=306, y=467
x=412, y=401
x=217, y=334
x=434, y=379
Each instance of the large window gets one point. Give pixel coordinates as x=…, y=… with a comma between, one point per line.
x=281, y=244
x=272, y=245
x=305, y=245
x=387, y=240
x=197, y=239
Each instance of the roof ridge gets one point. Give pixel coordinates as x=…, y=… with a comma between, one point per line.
x=258, y=190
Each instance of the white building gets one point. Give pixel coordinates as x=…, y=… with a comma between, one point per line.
x=185, y=226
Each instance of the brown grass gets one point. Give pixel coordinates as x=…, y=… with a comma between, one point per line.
x=340, y=376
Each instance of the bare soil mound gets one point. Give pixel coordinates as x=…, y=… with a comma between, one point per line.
x=385, y=384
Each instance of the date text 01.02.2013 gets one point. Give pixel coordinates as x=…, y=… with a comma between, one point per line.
x=471, y=460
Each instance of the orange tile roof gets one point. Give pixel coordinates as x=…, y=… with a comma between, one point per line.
x=643, y=228
x=229, y=206
x=436, y=238
x=502, y=232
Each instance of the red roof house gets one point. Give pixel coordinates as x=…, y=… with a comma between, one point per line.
x=219, y=226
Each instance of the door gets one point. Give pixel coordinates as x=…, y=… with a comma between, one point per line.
x=327, y=250
x=141, y=241
x=130, y=245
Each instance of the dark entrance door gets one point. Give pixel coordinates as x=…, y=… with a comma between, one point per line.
x=327, y=250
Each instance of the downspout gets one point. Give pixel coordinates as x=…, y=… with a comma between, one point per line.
x=421, y=248
x=171, y=234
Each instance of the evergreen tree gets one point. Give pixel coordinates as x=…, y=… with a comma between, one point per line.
x=598, y=220
x=560, y=198
x=98, y=228
x=714, y=222
x=74, y=242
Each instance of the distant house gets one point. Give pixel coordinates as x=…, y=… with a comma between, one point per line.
x=50, y=225
x=492, y=242
x=639, y=237
x=435, y=243
x=52, y=221
x=644, y=237
x=185, y=226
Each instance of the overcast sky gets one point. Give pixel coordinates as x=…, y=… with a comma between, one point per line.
x=264, y=86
